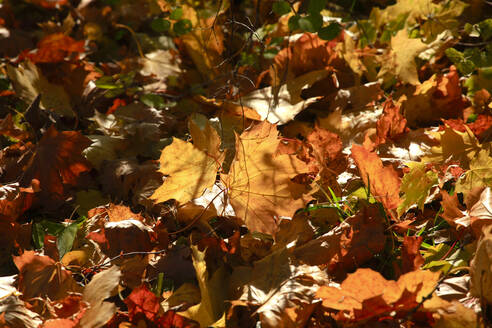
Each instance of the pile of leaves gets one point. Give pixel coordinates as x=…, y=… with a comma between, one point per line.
x=245, y=163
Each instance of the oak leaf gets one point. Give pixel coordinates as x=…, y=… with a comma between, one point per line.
x=191, y=168
x=259, y=183
x=383, y=181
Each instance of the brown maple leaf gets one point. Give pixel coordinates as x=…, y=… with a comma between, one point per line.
x=57, y=161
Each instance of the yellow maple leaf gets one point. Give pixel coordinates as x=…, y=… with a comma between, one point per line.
x=456, y=146
x=191, y=168
x=259, y=183
x=402, y=58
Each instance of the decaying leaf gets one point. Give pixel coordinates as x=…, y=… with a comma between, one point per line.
x=277, y=286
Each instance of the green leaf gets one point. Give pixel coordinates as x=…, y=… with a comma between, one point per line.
x=330, y=32
x=485, y=28
x=38, y=235
x=294, y=23
x=281, y=7
x=176, y=14
x=315, y=6
x=107, y=82
x=160, y=25
x=65, y=239
x=151, y=100
x=182, y=27
x=311, y=23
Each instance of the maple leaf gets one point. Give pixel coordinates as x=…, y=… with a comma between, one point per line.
x=55, y=47
x=455, y=146
x=366, y=294
x=402, y=58
x=259, y=183
x=481, y=280
x=142, y=303
x=479, y=174
x=29, y=82
x=191, y=168
x=410, y=253
x=416, y=185
x=282, y=106
x=40, y=276
x=437, y=98
x=57, y=161
x=383, y=181
x=392, y=124
x=102, y=286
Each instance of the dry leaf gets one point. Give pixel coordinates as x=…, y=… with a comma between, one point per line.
x=191, y=168
x=383, y=181
x=259, y=183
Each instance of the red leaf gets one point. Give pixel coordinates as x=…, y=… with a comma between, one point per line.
x=142, y=303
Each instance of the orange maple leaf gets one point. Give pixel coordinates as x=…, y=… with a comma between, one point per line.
x=383, y=181
x=55, y=47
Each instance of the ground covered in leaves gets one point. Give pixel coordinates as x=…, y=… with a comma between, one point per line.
x=246, y=163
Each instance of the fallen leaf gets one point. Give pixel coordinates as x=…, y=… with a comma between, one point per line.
x=282, y=106
x=481, y=279
x=276, y=285
x=416, y=186
x=213, y=293
x=410, y=253
x=55, y=48
x=29, y=82
x=259, y=183
x=40, y=276
x=190, y=169
x=479, y=175
x=142, y=303
x=402, y=55
x=101, y=287
x=437, y=98
x=57, y=161
x=15, y=313
x=365, y=294
x=462, y=147
x=383, y=181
